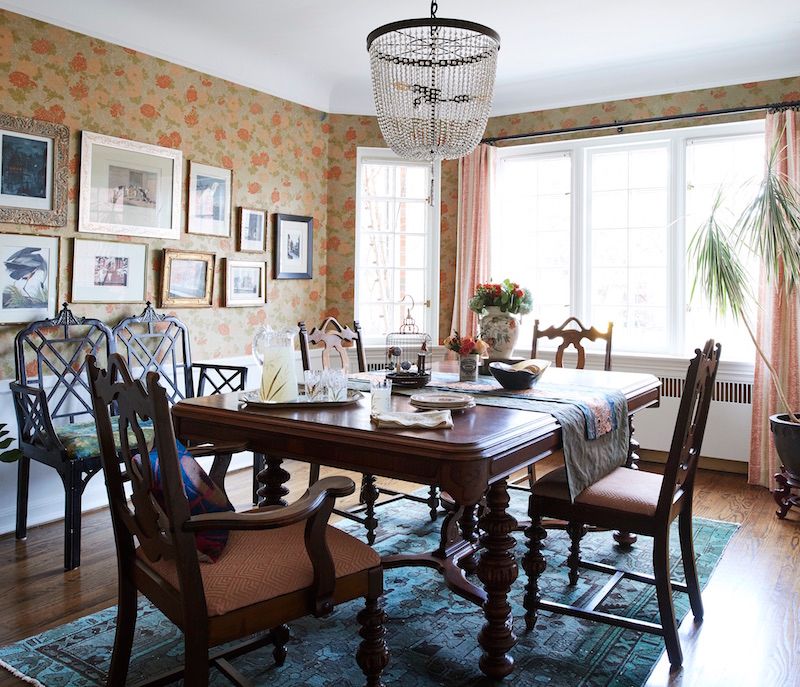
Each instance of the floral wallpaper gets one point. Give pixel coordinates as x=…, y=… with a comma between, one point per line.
x=285, y=157
x=278, y=152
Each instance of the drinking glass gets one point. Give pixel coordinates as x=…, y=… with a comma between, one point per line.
x=336, y=381
x=316, y=389
x=381, y=392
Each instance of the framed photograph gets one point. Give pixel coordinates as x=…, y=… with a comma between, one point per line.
x=129, y=188
x=187, y=279
x=33, y=171
x=245, y=283
x=108, y=271
x=28, y=278
x=252, y=230
x=209, y=200
x=293, y=246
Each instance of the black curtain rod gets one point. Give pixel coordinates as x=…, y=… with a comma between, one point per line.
x=638, y=122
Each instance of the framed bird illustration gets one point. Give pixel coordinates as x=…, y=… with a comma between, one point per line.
x=28, y=278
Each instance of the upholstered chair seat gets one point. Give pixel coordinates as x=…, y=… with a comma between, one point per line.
x=630, y=491
x=262, y=565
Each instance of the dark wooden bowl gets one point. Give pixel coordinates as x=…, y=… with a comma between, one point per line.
x=514, y=380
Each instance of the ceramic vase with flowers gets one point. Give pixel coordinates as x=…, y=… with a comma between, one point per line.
x=500, y=307
x=470, y=351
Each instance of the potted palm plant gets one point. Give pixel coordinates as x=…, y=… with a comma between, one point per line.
x=769, y=227
x=7, y=455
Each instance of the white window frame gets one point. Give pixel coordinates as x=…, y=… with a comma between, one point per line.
x=430, y=311
x=677, y=140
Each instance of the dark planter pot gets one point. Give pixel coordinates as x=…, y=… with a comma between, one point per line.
x=787, y=441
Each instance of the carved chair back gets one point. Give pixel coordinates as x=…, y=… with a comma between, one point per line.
x=572, y=332
x=159, y=531
x=331, y=336
x=156, y=342
x=50, y=357
x=690, y=427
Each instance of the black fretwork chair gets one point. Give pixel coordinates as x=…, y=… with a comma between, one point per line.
x=334, y=338
x=157, y=342
x=55, y=419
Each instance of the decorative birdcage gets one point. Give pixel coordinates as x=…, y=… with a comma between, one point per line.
x=407, y=352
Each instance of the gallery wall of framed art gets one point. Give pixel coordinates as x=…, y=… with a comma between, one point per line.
x=28, y=278
x=108, y=272
x=275, y=151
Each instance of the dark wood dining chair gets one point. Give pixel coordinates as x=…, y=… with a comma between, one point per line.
x=334, y=339
x=55, y=420
x=278, y=565
x=635, y=501
x=157, y=342
x=572, y=332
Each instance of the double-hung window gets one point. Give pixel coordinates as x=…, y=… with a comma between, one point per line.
x=397, y=244
x=599, y=228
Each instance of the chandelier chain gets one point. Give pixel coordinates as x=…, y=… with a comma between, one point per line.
x=434, y=8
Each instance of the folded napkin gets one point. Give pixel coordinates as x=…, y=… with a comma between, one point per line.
x=435, y=419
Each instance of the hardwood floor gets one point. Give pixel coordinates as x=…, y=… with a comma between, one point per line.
x=750, y=635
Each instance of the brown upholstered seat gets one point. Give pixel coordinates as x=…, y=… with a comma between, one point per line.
x=262, y=565
x=630, y=491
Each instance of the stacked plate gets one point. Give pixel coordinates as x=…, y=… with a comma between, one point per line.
x=442, y=401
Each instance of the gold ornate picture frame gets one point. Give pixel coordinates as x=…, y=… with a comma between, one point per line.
x=35, y=174
x=187, y=279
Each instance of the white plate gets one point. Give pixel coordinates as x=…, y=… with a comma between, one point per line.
x=442, y=400
x=453, y=409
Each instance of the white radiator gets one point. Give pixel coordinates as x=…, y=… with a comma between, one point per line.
x=728, y=429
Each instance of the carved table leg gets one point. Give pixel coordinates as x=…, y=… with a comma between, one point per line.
x=497, y=570
x=783, y=494
x=272, y=478
x=534, y=564
x=368, y=495
x=469, y=528
x=433, y=502
x=627, y=539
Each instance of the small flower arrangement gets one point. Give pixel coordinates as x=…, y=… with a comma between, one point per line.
x=465, y=345
x=508, y=296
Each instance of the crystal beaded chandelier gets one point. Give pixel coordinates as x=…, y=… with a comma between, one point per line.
x=432, y=80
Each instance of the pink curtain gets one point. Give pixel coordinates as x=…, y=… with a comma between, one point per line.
x=778, y=325
x=475, y=176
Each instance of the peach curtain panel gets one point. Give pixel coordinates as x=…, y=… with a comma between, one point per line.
x=475, y=179
x=778, y=325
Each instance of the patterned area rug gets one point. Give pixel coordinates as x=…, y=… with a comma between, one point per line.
x=431, y=632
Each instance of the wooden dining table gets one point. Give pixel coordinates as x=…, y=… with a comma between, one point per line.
x=471, y=462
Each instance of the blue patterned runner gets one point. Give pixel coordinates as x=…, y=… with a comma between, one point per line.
x=594, y=421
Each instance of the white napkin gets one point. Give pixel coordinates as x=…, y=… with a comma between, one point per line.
x=435, y=419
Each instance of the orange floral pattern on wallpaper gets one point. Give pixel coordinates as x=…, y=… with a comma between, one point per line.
x=276, y=149
x=284, y=157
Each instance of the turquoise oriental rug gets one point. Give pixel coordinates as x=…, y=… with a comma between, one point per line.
x=431, y=633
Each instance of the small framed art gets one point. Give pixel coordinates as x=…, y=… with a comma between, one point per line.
x=28, y=278
x=187, y=279
x=294, y=236
x=108, y=271
x=34, y=171
x=209, y=200
x=129, y=188
x=252, y=230
x=245, y=283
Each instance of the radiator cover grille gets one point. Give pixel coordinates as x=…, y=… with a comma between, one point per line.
x=724, y=392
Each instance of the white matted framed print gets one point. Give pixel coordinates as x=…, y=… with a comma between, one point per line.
x=245, y=283
x=209, y=200
x=129, y=188
x=252, y=230
x=33, y=171
x=28, y=278
x=294, y=237
x=108, y=271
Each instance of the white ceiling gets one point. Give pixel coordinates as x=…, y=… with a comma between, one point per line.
x=552, y=54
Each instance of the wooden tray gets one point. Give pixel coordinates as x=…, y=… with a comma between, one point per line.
x=252, y=399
